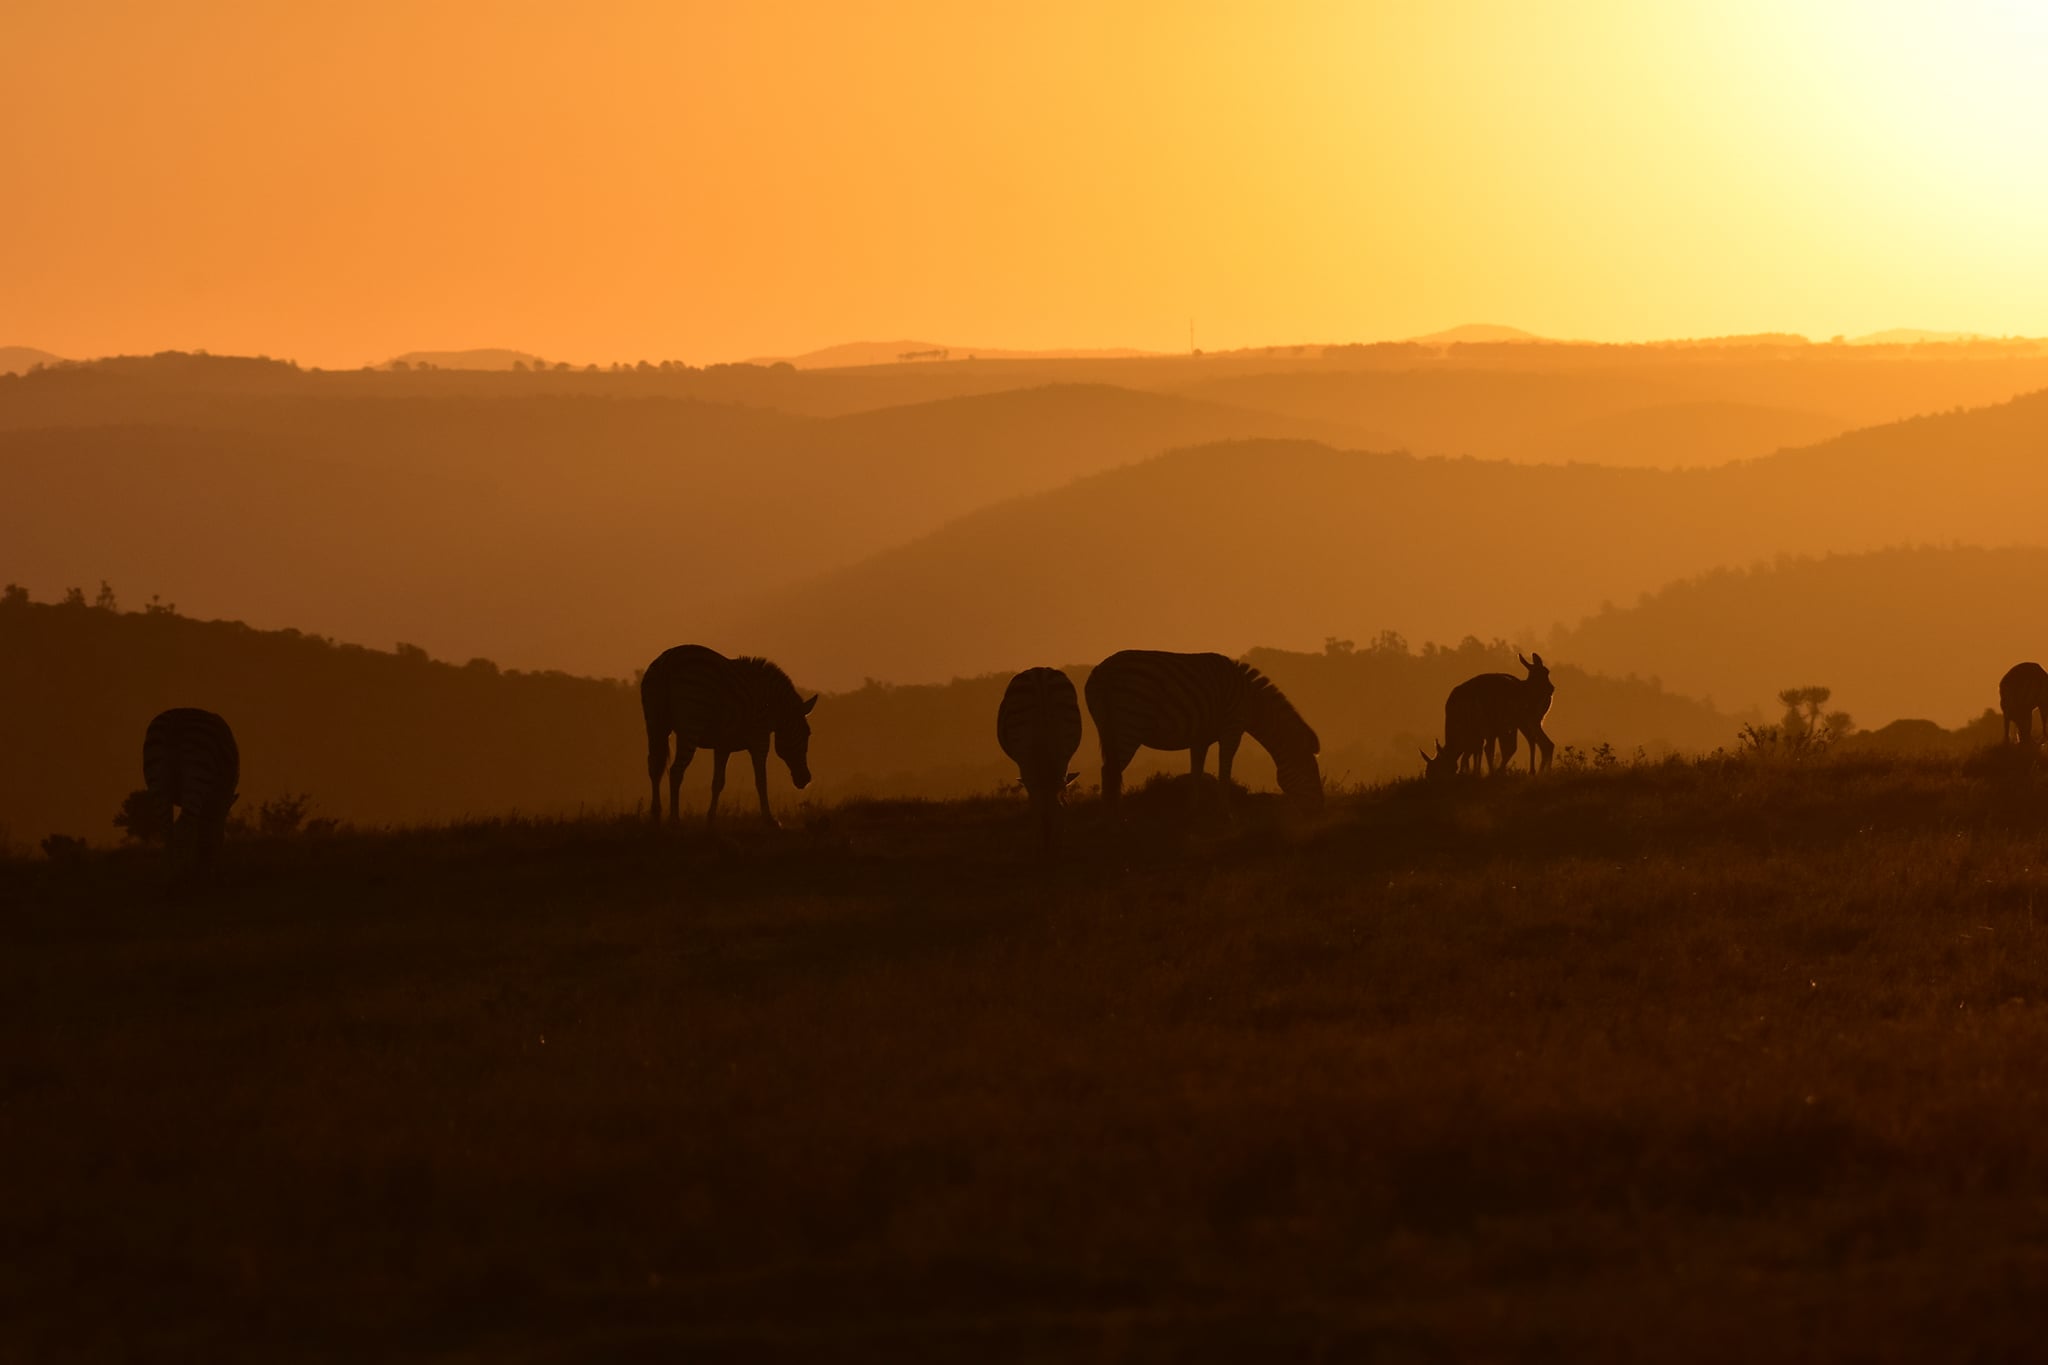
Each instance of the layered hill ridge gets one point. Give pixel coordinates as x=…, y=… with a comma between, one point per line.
x=540, y=530
x=1288, y=542
x=1920, y=632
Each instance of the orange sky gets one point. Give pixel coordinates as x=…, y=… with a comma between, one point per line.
x=340, y=182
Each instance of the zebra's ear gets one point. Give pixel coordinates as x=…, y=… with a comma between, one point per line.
x=809, y=704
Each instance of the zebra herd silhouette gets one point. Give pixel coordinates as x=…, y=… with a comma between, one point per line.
x=698, y=699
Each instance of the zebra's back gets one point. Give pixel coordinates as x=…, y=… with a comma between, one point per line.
x=1162, y=700
x=696, y=693
x=190, y=760
x=1039, y=722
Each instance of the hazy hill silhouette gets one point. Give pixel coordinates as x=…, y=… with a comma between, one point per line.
x=543, y=531
x=855, y=354
x=1681, y=435
x=1228, y=545
x=1645, y=407
x=381, y=736
x=1923, y=632
x=1488, y=332
x=484, y=358
x=21, y=359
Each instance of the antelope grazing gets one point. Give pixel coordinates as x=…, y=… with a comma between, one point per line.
x=1483, y=715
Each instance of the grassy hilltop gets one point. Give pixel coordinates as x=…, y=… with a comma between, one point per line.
x=1709, y=1061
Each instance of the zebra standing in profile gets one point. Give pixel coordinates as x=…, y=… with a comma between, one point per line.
x=190, y=763
x=1039, y=727
x=708, y=701
x=1144, y=698
x=2021, y=692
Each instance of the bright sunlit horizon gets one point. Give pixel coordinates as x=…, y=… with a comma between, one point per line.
x=339, y=184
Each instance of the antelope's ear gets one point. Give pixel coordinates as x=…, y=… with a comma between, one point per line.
x=809, y=704
x=1525, y=662
x=1425, y=756
x=1538, y=659
x=1070, y=780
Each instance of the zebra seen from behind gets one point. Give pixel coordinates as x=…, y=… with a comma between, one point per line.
x=1144, y=698
x=2021, y=692
x=191, y=764
x=1038, y=725
x=708, y=701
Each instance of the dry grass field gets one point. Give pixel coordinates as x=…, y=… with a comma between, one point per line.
x=1693, y=1061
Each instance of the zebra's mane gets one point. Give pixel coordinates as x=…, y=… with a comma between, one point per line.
x=768, y=669
x=1273, y=714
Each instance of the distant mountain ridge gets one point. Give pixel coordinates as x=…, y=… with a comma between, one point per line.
x=484, y=358
x=855, y=354
x=22, y=359
x=1476, y=333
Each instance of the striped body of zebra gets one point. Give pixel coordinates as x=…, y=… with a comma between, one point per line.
x=190, y=764
x=708, y=701
x=1143, y=698
x=2021, y=692
x=1039, y=726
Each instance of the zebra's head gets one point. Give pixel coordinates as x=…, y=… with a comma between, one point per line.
x=793, y=742
x=1442, y=763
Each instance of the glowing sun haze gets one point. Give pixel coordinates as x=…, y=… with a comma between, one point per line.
x=340, y=182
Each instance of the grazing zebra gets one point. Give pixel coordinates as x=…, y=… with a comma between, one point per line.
x=1145, y=698
x=190, y=763
x=708, y=701
x=1039, y=727
x=2021, y=692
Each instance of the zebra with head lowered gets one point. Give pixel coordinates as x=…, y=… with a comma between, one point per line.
x=708, y=701
x=2021, y=692
x=1486, y=712
x=1039, y=726
x=190, y=763
x=1146, y=698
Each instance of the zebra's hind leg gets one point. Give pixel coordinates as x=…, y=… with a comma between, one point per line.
x=1114, y=761
x=760, y=757
x=657, y=764
x=718, y=758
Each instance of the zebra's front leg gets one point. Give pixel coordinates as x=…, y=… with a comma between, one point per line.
x=760, y=757
x=718, y=757
x=1226, y=755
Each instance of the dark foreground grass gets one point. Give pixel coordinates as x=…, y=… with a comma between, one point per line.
x=1703, y=1063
